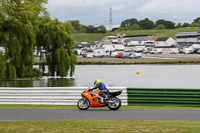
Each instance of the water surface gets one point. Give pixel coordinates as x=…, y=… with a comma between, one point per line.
x=151, y=76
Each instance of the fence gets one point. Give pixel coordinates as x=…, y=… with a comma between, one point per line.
x=70, y=96
x=48, y=95
x=163, y=96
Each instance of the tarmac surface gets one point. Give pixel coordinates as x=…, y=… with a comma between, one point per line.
x=99, y=114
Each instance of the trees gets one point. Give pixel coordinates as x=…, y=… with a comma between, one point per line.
x=135, y=27
x=186, y=25
x=55, y=37
x=18, y=34
x=167, y=24
x=101, y=29
x=129, y=22
x=146, y=24
x=178, y=25
x=196, y=22
x=24, y=24
x=160, y=27
x=76, y=24
x=90, y=29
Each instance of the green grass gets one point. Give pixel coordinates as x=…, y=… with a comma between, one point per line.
x=137, y=61
x=75, y=107
x=99, y=126
x=87, y=37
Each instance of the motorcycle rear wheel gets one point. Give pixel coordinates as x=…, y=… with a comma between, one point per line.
x=83, y=106
x=116, y=105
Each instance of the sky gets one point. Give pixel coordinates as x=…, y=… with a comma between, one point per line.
x=97, y=12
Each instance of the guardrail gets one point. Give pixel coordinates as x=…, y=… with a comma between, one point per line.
x=71, y=95
x=163, y=96
x=48, y=95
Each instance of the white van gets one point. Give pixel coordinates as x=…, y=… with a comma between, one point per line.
x=139, y=48
x=156, y=51
x=119, y=47
x=188, y=50
x=174, y=51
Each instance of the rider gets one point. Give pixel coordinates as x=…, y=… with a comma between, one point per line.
x=101, y=86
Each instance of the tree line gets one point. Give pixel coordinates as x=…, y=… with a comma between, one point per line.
x=25, y=25
x=134, y=24
x=147, y=24
x=79, y=28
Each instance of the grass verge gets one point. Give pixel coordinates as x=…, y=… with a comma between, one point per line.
x=138, y=61
x=98, y=126
x=87, y=37
x=75, y=107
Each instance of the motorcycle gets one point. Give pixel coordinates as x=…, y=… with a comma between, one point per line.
x=94, y=99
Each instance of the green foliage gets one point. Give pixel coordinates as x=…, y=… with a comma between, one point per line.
x=90, y=29
x=24, y=24
x=75, y=24
x=2, y=66
x=101, y=29
x=167, y=24
x=11, y=71
x=18, y=30
x=160, y=27
x=197, y=20
x=178, y=25
x=37, y=73
x=135, y=27
x=129, y=22
x=186, y=25
x=146, y=24
x=55, y=37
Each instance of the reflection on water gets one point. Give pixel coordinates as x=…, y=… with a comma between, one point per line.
x=18, y=83
x=47, y=82
x=60, y=82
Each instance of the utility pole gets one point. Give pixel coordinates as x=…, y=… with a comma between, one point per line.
x=110, y=20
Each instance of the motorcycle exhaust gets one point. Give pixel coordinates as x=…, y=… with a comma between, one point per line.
x=109, y=102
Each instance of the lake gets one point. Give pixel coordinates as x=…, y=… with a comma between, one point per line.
x=151, y=76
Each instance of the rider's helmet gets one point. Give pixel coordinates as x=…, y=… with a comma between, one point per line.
x=96, y=82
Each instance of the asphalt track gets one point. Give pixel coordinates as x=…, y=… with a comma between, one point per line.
x=98, y=114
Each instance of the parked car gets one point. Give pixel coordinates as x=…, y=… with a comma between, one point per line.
x=198, y=52
x=174, y=51
x=188, y=50
x=147, y=50
x=195, y=51
x=156, y=51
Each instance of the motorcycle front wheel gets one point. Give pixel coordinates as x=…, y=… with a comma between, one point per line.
x=83, y=104
x=115, y=105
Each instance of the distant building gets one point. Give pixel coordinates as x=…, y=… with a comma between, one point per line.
x=109, y=40
x=163, y=42
x=136, y=39
x=187, y=38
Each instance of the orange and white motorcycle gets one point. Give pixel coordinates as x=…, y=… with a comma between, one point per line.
x=94, y=99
